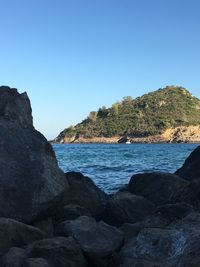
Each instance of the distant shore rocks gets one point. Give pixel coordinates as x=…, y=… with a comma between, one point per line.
x=52, y=219
x=181, y=134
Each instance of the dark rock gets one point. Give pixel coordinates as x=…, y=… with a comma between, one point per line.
x=16, y=234
x=31, y=182
x=152, y=246
x=151, y=221
x=70, y=212
x=13, y=258
x=174, y=212
x=58, y=252
x=83, y=192
x=36, y=262
x=157, y=187
x=170, y=246
x=45, y=226
x=189, y=194
x=125, y=207
x=191, y=167
x=98, y=240
x=130, y=230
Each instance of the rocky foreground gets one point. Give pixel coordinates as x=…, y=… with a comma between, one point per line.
x=52, y=219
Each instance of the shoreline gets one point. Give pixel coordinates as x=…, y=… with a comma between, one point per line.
x=182, y=134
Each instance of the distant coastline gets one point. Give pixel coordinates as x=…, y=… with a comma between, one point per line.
x=182, y=134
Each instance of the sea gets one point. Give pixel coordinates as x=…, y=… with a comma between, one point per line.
x=111, y=166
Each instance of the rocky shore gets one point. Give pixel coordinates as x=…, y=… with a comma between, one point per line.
x=181, y=134
x=52, y=219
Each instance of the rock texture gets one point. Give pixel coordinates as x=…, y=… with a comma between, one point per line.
x=191, y=168
x=83, y=192
x=13, y=233
x=98, y=240
x=124, y=207
x=157, y=187
x=30, y=179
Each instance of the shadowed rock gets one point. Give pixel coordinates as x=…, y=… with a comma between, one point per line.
x=125, y=207
x=83, y=192
x=13, y=233
x=58, y=252
x=13, y=258
x=191, y=167
x=157, y=187
x=31, y=182
x=98, y=240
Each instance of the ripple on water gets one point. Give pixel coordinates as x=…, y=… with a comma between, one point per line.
x=112, y=165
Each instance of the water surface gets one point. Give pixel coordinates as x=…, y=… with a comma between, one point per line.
x=112, y=165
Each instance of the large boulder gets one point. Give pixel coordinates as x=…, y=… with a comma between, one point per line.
x=13, y=233
x=189, y=194
x=31, y=182
x=13, y=258
x=124, y=207
x=57, y=252
x=171, y=246
x=98, y=240
x=191, y=167
x=157, y=187
x=84, y=192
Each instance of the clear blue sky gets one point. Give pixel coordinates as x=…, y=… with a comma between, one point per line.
x=74, y=56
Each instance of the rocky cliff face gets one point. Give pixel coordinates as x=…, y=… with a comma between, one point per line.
x=181, y=134
x=31, y=182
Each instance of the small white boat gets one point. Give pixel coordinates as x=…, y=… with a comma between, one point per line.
x=128, y=142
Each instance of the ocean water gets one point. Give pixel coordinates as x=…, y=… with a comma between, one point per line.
x=111, y=165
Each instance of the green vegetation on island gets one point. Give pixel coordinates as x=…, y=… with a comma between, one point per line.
x=147, y=115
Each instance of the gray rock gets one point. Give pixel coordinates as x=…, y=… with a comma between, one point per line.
x=13, y=258
x=171, y=246
x=124, y=207
x=57, y=252
x=157, y=187
x=174, y=212
x=36, y=262
x=83, y=192
x=70, y=212
x=45, y=226
x=189, y=194
x=191, y=167
x=16, y=234
x=31, y=182
x=98, y=240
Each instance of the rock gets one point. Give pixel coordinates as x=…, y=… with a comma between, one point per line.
x=191, y=167
x=125, y=207
x=189, y=194
x=13, y=233
x=70, y=212
x=130, y=230
x=57, y=252
x=170, y=246
x=36, y=262
x=98, y=240
x=45, y=226
x=13, y=258
x=31, y=182
x=157, y=187
x=174, y=212
x=151, y=221
x=83, y=192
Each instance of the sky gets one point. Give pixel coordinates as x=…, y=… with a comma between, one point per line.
x=74, y=56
